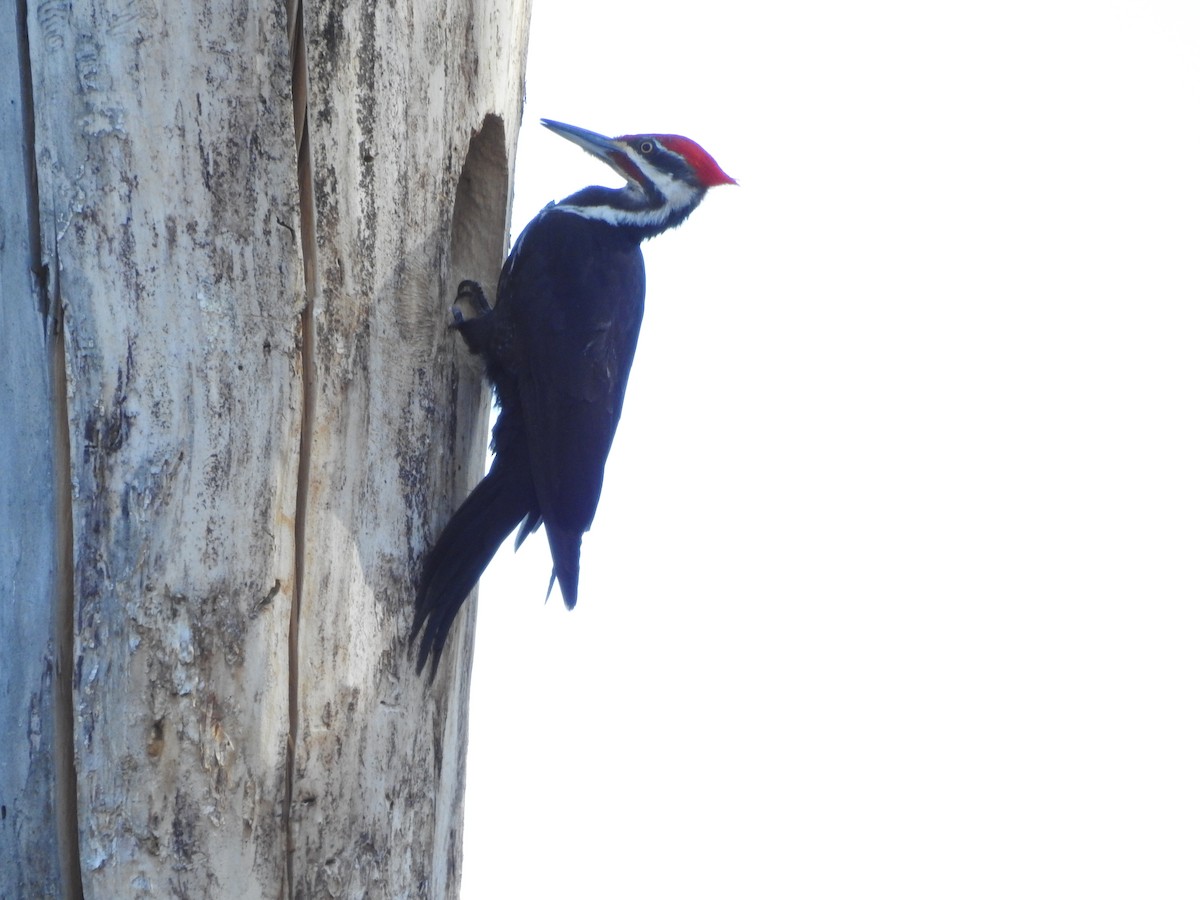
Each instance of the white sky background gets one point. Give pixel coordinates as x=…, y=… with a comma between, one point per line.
x=894, y=588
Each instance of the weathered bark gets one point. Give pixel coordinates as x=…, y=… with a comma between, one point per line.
x=406, y=203
x=210, y=357
x=37, y=844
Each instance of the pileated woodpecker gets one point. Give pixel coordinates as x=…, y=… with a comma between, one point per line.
x=558, y=347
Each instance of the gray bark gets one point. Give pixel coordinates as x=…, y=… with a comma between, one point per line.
x=233, y=417
x=37, y=843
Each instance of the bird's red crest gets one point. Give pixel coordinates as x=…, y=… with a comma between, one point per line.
x=706, y=167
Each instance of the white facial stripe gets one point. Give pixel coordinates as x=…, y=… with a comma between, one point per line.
x=642, y=217
x=679, y=195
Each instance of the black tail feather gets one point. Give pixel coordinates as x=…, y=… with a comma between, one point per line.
x=564, y=549
x=470, y=540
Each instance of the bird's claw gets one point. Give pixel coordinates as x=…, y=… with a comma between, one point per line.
x=471, y=292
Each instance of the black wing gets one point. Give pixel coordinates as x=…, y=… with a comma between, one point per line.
x=572, y=296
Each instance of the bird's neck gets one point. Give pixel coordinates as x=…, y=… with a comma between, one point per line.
x=646, y=212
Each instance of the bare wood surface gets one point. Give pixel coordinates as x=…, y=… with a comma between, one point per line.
x=167, y=197
x=35, y=804
x=191, y=719
x=413, y=116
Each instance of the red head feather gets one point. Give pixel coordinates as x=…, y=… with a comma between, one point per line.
x=707, y=170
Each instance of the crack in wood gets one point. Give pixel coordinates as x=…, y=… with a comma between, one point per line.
x=308, y=248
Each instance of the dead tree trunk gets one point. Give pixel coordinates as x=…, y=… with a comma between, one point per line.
x=232, y=418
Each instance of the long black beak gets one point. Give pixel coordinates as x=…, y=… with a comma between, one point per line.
x=605, y=148
x=596, y=144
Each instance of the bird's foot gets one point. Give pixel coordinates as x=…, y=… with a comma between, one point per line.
x=471, y=292
x=474, y=330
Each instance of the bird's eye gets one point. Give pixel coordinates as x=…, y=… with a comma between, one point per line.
x=647, y=147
